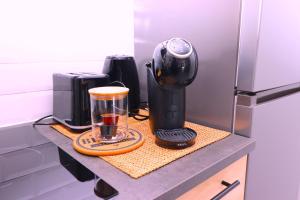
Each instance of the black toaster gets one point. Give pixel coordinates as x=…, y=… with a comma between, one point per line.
x=71, y=100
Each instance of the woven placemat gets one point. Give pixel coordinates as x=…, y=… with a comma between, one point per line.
x=150, y=157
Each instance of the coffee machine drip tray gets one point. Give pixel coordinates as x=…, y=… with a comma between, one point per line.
x=175, y=138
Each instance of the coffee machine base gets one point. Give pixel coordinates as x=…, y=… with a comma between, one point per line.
x=175, y=138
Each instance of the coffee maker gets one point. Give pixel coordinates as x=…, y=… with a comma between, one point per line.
x=174, y=66
x=122, y=69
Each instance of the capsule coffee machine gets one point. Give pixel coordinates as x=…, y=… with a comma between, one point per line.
x=174, y=66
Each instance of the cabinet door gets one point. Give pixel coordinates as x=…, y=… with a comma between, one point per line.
x=269, y=44
x=273, y=170
x=213, y=185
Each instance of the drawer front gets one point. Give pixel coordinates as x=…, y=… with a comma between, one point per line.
x=212, y=186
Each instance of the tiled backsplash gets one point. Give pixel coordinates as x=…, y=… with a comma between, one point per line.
x=64, y=30
x=38, y=38
x=19, y=137
x=31, y=77
x=24, y=107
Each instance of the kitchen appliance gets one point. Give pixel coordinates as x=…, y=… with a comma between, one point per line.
x=174, y=66
x=71, y=101
x=248, y=80
x=122, y=68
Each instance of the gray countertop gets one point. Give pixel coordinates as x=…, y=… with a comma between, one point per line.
x=169, y=181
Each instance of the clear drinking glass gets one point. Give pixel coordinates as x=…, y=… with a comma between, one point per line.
x=109, y=113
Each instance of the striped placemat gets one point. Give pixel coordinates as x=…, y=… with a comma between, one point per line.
x=150, y=157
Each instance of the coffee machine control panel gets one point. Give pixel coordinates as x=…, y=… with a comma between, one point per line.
x=179, y=48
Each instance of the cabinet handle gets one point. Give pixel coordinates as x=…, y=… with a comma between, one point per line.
x=228, y=188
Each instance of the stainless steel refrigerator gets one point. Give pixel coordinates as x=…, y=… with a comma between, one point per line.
x=248, y=80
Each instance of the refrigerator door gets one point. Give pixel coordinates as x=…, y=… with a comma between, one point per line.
x=212, y=26
x=274, y=166
x=269, y=44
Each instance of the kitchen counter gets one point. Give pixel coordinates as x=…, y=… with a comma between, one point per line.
x=167, y=182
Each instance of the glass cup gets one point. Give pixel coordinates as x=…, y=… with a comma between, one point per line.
x=109, y=112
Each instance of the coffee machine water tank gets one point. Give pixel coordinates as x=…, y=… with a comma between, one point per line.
x=174, y=66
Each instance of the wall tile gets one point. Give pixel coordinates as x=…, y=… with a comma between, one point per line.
x=38, y=38
x=26, y=107
x=18, y=137
x=64, y=30
x=30, y=77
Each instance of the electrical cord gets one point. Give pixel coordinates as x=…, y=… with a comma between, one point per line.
x=136, y=116
x=37, y=121
x=141, y=117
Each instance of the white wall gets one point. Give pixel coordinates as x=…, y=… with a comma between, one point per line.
x=39, y=37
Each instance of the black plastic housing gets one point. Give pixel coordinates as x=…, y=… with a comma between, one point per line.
x=166, y=106
x=104, y=190
x=123, y=69
x=174, y=66
x=80, y=172
x=175, y=138
x=171, y=71
x=71, y=100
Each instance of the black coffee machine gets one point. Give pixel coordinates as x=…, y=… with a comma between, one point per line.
x=174, y=66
